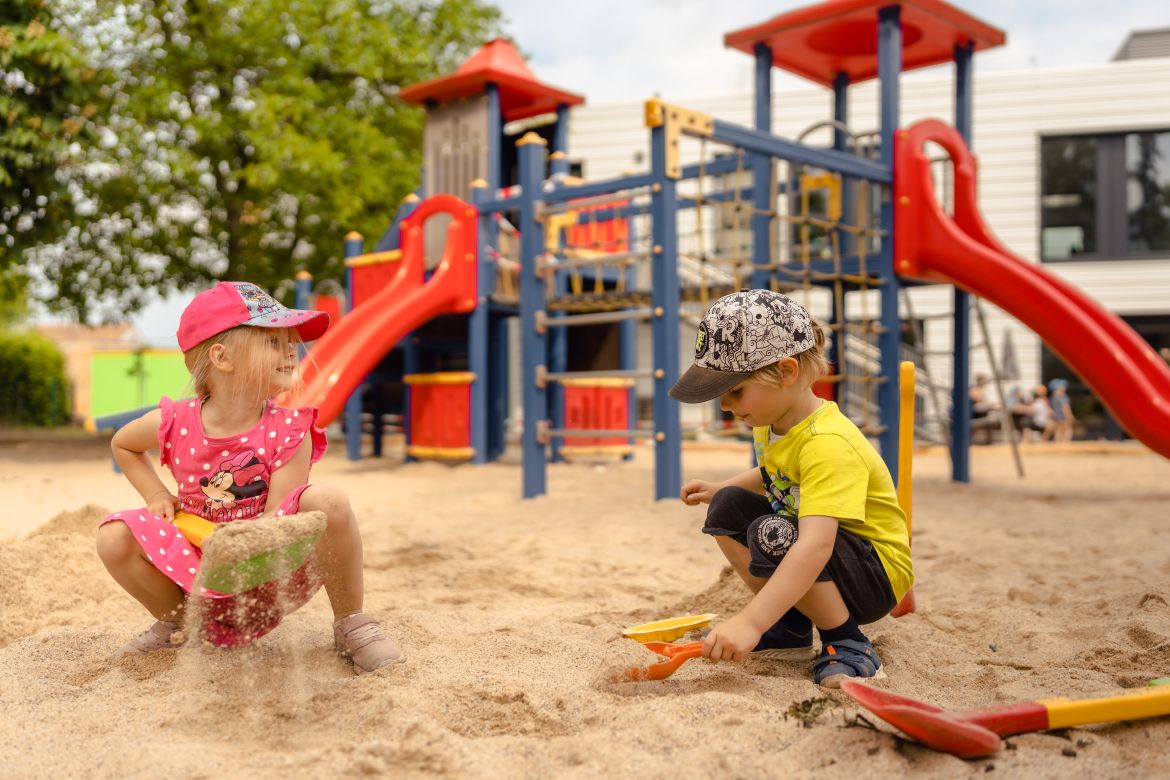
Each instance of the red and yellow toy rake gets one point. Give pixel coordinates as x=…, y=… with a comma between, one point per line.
x=976, y=733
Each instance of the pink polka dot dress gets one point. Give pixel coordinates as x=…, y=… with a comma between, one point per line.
x=223, y=479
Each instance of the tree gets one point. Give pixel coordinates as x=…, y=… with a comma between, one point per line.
x=249, y=138
x=48, y=94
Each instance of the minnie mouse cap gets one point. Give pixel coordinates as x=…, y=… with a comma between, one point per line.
x=229, y=304
x=740, y=334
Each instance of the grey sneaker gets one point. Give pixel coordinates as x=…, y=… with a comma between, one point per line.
x=360, y=638
x=163, y=635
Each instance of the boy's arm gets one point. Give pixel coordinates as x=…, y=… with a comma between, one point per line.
x=700, y=491
x=794, y=577
x=288, y=478
x=129, y=446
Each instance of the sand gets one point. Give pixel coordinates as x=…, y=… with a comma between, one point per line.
x=509, y=613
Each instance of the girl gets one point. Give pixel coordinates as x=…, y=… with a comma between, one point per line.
x=236, y=455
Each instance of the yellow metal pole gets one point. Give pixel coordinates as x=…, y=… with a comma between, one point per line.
x=906, y=464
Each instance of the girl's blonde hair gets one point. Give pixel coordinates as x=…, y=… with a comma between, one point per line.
x=245, y=346
x=813, y=363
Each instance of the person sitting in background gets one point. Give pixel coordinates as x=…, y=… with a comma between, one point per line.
x=1062, y=415
x=1041, y=420
x=1019, y=404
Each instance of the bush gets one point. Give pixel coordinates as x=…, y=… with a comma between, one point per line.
x=33, y=386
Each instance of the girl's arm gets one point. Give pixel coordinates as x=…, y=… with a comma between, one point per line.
x=129, y=446
x=288, y=478
x=794, y=577
x=700, y=491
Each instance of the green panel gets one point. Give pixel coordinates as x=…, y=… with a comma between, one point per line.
x=122, y=381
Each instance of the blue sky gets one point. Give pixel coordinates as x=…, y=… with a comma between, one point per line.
x=628, y=50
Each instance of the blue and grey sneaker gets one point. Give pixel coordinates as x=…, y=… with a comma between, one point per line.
x=847, y=658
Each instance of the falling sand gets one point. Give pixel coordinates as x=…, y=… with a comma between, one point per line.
x=510, y=614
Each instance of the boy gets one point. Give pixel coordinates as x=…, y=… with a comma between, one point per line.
x=816, y=532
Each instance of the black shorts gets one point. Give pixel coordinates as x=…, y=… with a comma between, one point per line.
x=854, y=566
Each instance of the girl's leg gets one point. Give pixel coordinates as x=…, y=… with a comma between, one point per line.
x=339, y=554
x=124, y=559
x=356, y=635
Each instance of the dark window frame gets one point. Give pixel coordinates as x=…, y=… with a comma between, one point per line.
x=1112, y=212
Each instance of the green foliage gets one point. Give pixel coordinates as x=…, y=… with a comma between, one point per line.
x=33, y=386
x=250, y=137
x=13, y=297
x=47, y=95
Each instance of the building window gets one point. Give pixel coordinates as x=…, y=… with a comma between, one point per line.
x=1105, y=197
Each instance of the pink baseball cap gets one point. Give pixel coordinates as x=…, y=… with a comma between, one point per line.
x=229, y=304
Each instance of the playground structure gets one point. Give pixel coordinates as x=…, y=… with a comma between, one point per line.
x=845, y=227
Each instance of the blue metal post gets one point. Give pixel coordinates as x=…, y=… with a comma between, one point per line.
x=889, y=340
x=628, y=343
x=478, y=325
x=558, y=361
x=664, y=302
x=844, y=238
x=961, y=370
x=531, y=151
x=353, y=404
x=763, y=188
x=303, y=299
x=559, y=159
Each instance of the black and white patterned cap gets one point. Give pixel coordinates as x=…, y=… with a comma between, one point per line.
x=740, y=334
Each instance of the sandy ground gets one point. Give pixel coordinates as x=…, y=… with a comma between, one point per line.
x=510, y=614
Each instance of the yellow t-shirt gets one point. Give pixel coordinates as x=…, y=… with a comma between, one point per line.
x=825, y=466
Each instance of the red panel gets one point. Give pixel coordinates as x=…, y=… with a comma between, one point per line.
x=608, y=235
x=330, y=304
x=826, y=390
x=369, y=280
x=593, y=408
x=440, y=415
x=840, y=36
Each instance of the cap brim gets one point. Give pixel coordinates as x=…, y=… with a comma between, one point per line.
x=310, y=325
x=700, y=384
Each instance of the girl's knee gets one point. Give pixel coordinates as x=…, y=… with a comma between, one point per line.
x=330, y=500
x=115, y=542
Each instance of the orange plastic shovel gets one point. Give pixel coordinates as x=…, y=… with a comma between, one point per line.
x=975, y=733
x=676, y=655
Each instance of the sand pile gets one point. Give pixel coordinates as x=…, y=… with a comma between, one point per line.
x=510, y=615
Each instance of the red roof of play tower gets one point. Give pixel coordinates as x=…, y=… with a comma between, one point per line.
x=521, y=93
x=822, y=40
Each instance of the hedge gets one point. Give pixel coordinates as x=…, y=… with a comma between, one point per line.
x=33, y=387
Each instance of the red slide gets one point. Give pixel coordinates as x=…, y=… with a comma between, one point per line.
x=1118, y=364
x=339, y=361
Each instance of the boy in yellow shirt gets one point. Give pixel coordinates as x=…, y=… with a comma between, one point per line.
x=816, y=531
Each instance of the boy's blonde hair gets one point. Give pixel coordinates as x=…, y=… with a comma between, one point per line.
x=813, y=363
x=245, y=346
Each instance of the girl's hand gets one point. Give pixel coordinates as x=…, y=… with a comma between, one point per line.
x=698, y=491
x=732, y=640
x=163, y=504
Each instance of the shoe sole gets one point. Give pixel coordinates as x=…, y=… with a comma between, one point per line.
x=791, y=654
x=834, y=680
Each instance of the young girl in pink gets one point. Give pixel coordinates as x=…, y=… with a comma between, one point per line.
x=236, y=455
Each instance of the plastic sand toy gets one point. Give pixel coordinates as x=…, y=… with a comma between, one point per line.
x=668, y=630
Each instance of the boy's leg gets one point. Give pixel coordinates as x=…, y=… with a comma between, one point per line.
x=730, y=518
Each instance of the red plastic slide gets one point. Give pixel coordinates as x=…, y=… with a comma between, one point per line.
x=1121, y=367
x=339, y=361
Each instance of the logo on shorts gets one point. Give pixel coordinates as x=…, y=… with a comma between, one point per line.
x=701, y=341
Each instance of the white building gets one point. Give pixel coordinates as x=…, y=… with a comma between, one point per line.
x=1059, y=154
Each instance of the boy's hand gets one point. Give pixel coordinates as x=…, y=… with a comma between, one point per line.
x=732, y=640
x=698, y=491
x=163, y=504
